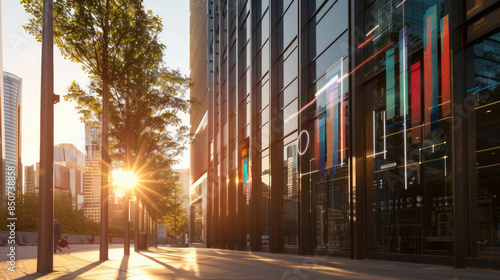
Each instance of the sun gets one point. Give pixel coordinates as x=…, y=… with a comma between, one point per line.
x=124, y=179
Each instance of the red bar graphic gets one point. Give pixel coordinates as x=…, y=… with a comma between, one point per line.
x=416, y=103
x=428, y=75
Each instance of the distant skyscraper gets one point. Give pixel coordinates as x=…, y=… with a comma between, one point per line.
x=12, y=97
x=92, y=182
x=31, y=178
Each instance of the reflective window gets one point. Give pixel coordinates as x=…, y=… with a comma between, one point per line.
x=483, y=87
x=291, y=195
x=266, y=199
x=331, y=25
x=290, y=67
x=331, y=55
x=329, y=165
x=409, y=164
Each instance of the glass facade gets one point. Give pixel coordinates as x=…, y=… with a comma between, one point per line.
x=11, y=123
x=326, y=131
x=353, y=128
x=483, y=88
x=409, y=159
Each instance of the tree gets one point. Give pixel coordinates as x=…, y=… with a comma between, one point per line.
x=175, y=215
x=26, y=213
x=72, y=221
x=108, y=38
x=145, y=127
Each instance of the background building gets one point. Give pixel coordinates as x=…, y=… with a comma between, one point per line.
x=184, y=180
x=116, y=197
x=31, y=178
x=365, y=129
x=69, y=171
x=12, y=98
x=92, y=181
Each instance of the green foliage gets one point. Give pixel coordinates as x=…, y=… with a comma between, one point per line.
x=106, y=37
x=72, y=221
x=174, y=214
x=26, y=213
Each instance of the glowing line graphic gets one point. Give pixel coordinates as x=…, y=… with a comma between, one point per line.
x=385, y=138
x=374, y=148
x=303, y=108
x=337, y=80
x=371, y=31
x=307, y=145
x=379, y=153
x=334, y=80
x=370, y=58
x=483, y=88
x=404, y=106
x=400, y=4
x=366, y=42
x=341, y=116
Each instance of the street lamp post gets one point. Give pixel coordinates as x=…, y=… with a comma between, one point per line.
x=45, y=249
x=136, y=224
x=127, y=181
x=126, y=247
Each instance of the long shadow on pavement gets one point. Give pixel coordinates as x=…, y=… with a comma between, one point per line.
x=176, y=270
x=74, y=274
x=123, y=268
x=71, y=275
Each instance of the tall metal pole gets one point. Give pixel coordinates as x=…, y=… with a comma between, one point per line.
x=126, y=246
x=45, y=255
x=156, y=229
x=136, y=224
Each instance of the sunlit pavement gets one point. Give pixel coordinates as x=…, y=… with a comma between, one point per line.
x=81, y=262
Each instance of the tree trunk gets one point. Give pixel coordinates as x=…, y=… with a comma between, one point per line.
x=104, y=175
x=103, y=249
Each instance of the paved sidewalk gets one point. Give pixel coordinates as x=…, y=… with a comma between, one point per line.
x=200, y=263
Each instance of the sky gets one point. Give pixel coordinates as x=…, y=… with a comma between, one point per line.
x=22, y=57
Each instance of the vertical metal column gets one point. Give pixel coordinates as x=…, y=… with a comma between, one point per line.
x=304, y=208
x=126, y=246
x=211, y=223
x=358, y=163
x=156, y=229
x=136, y=224
x=276, y=228
x=46, y=200
x=148, y=225
x=464, y=165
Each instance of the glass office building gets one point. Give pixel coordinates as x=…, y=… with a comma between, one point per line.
x=364, y=129
x=12, y=119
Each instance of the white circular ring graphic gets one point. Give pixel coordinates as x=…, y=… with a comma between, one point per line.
x=307, y=145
